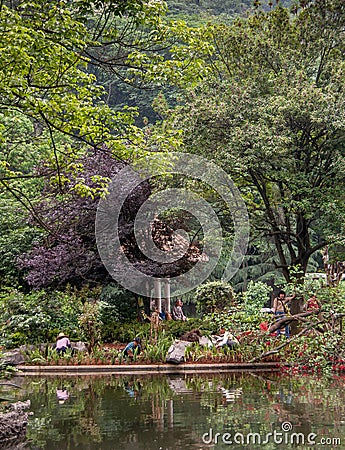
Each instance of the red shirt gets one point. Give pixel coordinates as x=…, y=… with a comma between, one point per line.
x=312, y=304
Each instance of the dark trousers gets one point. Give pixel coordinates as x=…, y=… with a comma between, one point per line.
x=281, y=315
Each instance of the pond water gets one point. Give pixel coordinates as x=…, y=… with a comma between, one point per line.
x=270, y=411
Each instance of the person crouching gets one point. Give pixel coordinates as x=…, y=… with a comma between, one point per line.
x=133, y=348
x=62, y=343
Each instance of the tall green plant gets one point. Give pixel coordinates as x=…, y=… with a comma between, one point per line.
x=214, y=296
x=116, y=305
x=90, y=324
x=255, y=297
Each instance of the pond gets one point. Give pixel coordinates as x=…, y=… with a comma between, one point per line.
x=184, y=412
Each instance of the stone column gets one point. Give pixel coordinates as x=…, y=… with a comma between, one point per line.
x=158, y=294
x=167, y=295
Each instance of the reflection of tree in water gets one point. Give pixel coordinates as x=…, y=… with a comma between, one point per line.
x=92, y=410
x=176, y=411
x=72, y=421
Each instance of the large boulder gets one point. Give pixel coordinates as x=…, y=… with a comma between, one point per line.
x=79, y=346
x=12, y=358
x=191, y=336
x=19, y=355
x=13, y=426
x=205, y=342
x=26, y=348
x=176, y=352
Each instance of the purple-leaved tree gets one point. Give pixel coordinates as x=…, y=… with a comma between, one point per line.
x=68, y=253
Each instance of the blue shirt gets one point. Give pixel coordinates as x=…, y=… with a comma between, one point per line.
x=131, y=346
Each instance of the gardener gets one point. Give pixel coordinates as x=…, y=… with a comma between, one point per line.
x=133, y=347
x=280, y=310
x=62, y=343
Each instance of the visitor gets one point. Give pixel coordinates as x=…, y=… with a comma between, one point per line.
x=177, y=312
x=312, y=304
x=62, y=343
x=280, y=310
x=165, y=315
x=155, y=323
x=133, y=347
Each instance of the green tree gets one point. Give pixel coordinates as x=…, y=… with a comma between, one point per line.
x=256, y=297
x=47, y=90
x=271, y=112
x=117, y=305
x=52, y=107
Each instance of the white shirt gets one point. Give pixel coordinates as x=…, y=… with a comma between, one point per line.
x=63, y=342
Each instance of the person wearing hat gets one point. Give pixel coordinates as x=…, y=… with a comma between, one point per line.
x=62, y=343
x=134, y=347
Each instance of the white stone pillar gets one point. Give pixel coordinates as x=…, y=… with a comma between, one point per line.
x=167, y=295
x=158, y=295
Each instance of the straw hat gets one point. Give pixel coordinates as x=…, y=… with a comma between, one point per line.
x=61, y=335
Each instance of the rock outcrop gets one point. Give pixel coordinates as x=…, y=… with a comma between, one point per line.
x=13, y=426
x=176, y=352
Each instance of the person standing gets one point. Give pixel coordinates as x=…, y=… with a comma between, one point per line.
x=155, y=320
x=280, y=310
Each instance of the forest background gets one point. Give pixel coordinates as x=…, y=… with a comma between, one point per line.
x=89, y=87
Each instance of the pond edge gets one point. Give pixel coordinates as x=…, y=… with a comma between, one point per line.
x=147, y=368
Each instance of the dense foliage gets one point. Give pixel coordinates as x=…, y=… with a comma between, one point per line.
x=214, y=296
x=270, y=111
x=38, y=316
x=262, y=95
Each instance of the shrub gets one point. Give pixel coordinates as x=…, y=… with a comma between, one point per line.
x=255, y=297
x=214, y=296
x=90, y=324
x=116, y=305
x=177, y=328
x=30, y=318
x=124, y=332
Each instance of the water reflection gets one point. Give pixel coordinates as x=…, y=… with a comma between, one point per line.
x=62, y=395
x=174, y=412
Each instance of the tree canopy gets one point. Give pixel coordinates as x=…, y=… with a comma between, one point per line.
x=47, y=88
x=263, y=96
x=271, y=112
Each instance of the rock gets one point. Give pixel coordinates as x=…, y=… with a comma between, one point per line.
x=26, y=348
x=226, y=340
x=19, y=355
x=205, y=341
x=191, y=336
x=176, y=352
x=13, y=426
x=19, y=407
x=79, y=346
x=13, y=358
